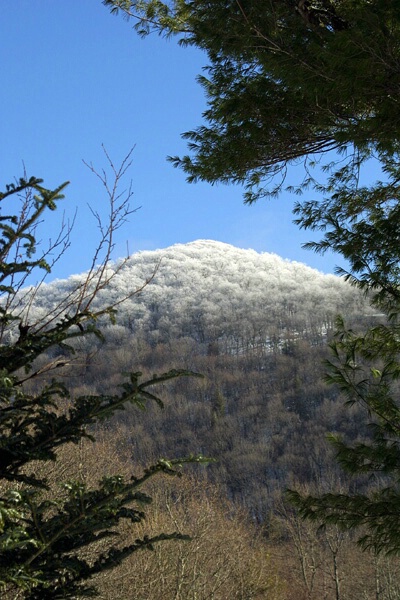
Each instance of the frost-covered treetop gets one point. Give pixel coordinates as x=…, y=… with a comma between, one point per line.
x=209, y=289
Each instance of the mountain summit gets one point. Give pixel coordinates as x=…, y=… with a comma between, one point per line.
x=209, y=290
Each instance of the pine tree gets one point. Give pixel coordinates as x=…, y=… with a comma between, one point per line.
x=49, y=540
x=286, y=81
x=363, y=224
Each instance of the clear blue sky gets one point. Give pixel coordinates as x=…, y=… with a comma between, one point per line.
x=75, y=77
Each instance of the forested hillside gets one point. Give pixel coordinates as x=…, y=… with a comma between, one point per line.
x=256, y=327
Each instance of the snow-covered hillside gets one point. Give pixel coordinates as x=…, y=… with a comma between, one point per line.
x=214, y=291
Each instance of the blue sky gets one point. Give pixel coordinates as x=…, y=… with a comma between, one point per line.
x=75, y=77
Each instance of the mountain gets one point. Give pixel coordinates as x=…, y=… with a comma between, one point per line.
x=255, y=325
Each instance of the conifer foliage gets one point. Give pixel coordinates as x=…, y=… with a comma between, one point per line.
x=285, y=80
x=52, y=543
x=363, y=224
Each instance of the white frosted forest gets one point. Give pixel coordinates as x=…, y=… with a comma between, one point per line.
x=212, y=292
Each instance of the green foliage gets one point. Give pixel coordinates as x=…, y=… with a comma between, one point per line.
x=285, y=81
x=49, y=541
